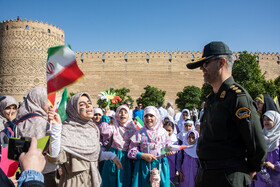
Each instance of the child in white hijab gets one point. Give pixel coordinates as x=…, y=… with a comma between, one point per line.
x=270, y=173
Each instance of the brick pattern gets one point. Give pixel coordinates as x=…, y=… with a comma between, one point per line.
x=23, y=54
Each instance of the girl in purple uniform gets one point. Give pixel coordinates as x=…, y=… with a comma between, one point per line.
x=169, y=127
x=270, y=173
x=187, y=163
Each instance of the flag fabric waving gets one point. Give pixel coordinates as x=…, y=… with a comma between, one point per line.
x=62, y=68
x=61, y=110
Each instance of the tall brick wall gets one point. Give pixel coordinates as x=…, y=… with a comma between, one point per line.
x=23, y=54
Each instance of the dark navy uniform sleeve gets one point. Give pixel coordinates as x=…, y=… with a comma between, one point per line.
x=249, y=127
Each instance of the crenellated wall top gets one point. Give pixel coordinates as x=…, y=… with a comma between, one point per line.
x=152, y=54
x=19, y=24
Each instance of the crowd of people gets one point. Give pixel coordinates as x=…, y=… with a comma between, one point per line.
x=101, y=147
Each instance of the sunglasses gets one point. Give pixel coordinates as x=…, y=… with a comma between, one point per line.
x=205, y=64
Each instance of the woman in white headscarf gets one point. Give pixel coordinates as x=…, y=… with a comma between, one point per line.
x=270, y=173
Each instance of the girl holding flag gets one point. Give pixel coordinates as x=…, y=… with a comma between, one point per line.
x=146, y=146
x=32, y=121
x=120, y=132
x=77, y=148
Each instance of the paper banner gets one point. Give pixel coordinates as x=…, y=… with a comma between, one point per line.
x=8, y=166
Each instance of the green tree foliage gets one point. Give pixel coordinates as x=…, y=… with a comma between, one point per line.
x=247, y=73
x=151, y=96
x=70, y=95
x=189, y=97
x=277, y=83
x=122, y=93
x=271, y=88
x=205, y=91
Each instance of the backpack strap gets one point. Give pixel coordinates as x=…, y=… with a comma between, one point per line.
x=27, y=116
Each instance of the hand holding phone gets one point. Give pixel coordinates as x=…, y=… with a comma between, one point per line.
x=16, y=146
x=33, y=159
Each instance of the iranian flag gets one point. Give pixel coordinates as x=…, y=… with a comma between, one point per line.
x=62, y=68
x=61, y=110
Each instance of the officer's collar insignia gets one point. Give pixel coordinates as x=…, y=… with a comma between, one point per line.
x=223, y=94
x=238, y=91
x=243, y=113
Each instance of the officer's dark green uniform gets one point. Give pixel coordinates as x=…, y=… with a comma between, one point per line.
x=231, y=143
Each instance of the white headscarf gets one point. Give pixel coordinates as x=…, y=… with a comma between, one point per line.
x=181, y=122
x=183, y=132
x=272, y=135
x=191, y=150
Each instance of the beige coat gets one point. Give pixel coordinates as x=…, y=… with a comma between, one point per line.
x=76, y=171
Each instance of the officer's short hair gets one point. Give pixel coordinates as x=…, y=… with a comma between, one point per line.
x=229, y=59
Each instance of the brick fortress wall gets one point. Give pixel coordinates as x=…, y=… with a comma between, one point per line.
x=23, y=54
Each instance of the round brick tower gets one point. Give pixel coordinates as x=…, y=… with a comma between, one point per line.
x=23, y=54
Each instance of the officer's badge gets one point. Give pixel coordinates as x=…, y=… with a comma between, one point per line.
x=243, y=112
x=223, y=94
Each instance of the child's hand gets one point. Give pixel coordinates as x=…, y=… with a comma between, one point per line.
x=170, y=153
x=181, y=176
x=107, y=111
x=117, y=162
x=148, y=157
x=54, y=117
x=269, y=165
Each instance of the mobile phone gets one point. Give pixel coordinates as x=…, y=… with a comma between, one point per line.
x=16, y=146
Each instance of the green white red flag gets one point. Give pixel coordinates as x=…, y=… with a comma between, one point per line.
x=62, y=68
x=61, y=110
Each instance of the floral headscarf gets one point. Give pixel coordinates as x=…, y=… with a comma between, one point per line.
x=157, y=129
x=34, y=102
x=122, y=132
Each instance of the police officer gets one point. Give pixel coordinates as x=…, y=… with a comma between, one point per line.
x=231, y=146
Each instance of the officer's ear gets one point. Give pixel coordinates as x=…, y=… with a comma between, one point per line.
x=222, y=62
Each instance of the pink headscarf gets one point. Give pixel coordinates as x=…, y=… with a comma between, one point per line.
x=122, y=132
x=157, y=129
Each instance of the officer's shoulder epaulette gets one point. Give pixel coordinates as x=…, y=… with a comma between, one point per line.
x=237, y=88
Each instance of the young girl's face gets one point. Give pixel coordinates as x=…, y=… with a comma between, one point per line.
x=259, y=105
x=123, y=116
x=150, y=120
x=10, y=112
x=268, y=123
x=85, y=108
x=185, y=116
x=97, y=117
x=191, y=138
x=188, y=126
x=168, y=129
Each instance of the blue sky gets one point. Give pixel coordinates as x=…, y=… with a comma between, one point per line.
x=151, y=25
